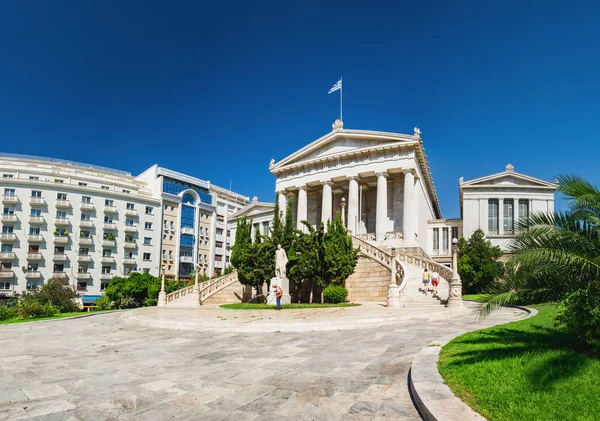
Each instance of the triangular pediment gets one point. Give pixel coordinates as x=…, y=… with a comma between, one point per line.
x=508, y=179
x=340, y=142
x=254, y=209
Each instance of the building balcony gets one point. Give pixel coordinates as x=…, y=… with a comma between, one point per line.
x=109, y=260
x=10, y=199
x=87, y=206
x=62, y=204
x=34, y=256
x=109, y=226
x=187, y=230
x=110, y=209
x=61, y=222
x=128, y=261
x=106, y=276
x=6, y=274
x=61, y=239
x=59, y=257
x=109, y=243
x=219, y=237
x=219, y=264
x=33, y=274
x=85, y=258
x=59, y=275
x=131, y=212
x=8, y=237
x=86, y=223
x=35, y=238
x=84, y=275
x=130, y=228
x=186, y=259
x=7, y=256
x=36, y=220
x=37, y=201
x=130, y=245
x=85, y=241
x=9, y=218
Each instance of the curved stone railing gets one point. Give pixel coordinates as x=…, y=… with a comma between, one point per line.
x=179, y=293
x=215, y=285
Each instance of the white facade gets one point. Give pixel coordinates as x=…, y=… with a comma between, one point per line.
x=73, y=221
x=259, y=214
x=496, y=202
x=384, y=179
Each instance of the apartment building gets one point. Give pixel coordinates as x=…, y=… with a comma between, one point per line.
x=81, y=223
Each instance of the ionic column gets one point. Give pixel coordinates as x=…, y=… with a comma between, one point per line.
x=381, y=208
x=327, y=205
x=302, y=209
x=352, y=224
x=282, y=203
x=409, y=184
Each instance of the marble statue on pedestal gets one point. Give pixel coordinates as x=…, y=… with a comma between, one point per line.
x=280, y=278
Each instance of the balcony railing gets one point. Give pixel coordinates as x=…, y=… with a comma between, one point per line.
x=107, y=259
x=108, y=243
x=59, y=257
x=61, y=239
x=129, y=244
x=86, y=223
x=85, y=241
x=6, y=274
x=131, y=212
x=33, y=274
x=130, y=228
x=84, y=275
x=9, y=218
x=187, y=230
x=109, y=226
x=62, y=203
x=128, y=261
x=36, y=220
x=8, y=237
x=35, y=238
x=84, y=258
x=106, y=276
x=10, y=199
x=85, y=206
x=61, y=222
x=37, y=201
x=7, y=255
x=59, y=275
x=186, y=259
x=34, y=256
x=110, y=209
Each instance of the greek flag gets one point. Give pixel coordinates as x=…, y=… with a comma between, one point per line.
x=336, y=87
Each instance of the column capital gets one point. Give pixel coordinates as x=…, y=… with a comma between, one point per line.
x=282, y=192
x=409, y=170
x=328, y=182
x=382, y=174
x=352, y=177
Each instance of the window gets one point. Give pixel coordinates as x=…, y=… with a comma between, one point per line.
x=103, y=286
x=7, y=248
x=148, y=225
x=130, y=206
x=146, y=256
x=106, y=253
x=59, y=181
x=81, y=286
x=33, y=177
x=8, y=229
x=172, y=208
x=166, y=207
x=35, y=212
x=7, y=176
x=61, y=232
x=145, y=270
x=109, y=202
x=34, y=249
x=9, y=211
x=436, y=239
x=129, y=239
x=129, y=255
x=148, y=210
x=34, y=231
x=455, y=233
x=32, y=267
x=61, y=214
x=493, y=216
x=31, y=285
x=147, y=241
x=172, y=226
x=61, y=196
x=165, y=223
x=170, y=254
x=59, y=267
x=84, y=251
x=220, y=230
x=108, y=219
x=108, y=236
x=126, y=191
x=86, y=199
x=82, y=269
x=129, y=222
x=36, y=193
x=164, y=254
x=59, y=250
x=9, y=192
x=5, y=285
x=85, y=234
x=445, y=239
x=105, y=187
x=85, y=216
x=509, y=216
x=106, y=269
x=523, y=209
x=82, y=184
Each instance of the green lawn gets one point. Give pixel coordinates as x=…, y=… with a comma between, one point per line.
x=475, y=297
x=58, y=316
x=526, y=370
x=249, y=306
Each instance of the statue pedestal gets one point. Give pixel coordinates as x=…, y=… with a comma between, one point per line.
x=455, y=295
x=284, y=283
x=393, y=299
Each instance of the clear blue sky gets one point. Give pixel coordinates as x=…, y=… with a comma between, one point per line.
x=229, y=86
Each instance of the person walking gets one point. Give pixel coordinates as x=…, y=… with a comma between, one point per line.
x=278, y=294
x=425, y=280
x=435, y=281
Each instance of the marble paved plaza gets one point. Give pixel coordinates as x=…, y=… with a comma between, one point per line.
x=102, y=368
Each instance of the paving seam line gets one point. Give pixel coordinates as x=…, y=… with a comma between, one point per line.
x=432, y=397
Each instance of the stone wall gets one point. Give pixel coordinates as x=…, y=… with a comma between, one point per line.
x=369, y=282
x=234, y=293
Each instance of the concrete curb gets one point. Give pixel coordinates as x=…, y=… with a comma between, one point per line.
x=432, y=397
x=60, y=319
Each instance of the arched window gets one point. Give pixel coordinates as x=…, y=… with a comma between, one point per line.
x=188, y=198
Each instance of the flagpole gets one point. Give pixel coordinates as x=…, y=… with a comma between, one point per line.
x=341, y=87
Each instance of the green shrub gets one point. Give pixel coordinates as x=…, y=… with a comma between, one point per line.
x=7, y=313
x=56, y=293
x=335, y=294
x=34, y=309
x=151, y=302
x=580, y=314
x=103, y=303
